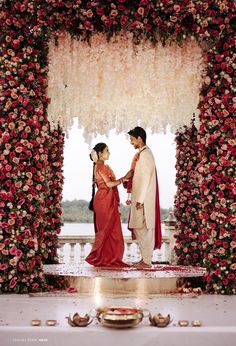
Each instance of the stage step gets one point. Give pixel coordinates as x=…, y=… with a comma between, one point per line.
x=156, y=280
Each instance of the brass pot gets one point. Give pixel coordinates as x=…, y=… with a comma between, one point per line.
x=120, y=316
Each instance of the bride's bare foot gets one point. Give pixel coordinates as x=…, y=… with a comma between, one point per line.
x=142, y=264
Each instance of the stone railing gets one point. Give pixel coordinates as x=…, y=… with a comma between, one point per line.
x=73, y=249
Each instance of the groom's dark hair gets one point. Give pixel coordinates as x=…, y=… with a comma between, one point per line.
x=138, y=132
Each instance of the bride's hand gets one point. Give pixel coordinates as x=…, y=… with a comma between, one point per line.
x=129, y=174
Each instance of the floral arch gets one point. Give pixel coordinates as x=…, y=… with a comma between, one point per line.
x=31, y=155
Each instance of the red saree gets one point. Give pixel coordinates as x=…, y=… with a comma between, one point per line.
x=108, y=248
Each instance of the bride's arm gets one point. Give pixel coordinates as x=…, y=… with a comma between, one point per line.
x=128, y=175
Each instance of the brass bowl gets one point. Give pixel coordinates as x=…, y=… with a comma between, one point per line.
x=120, y=316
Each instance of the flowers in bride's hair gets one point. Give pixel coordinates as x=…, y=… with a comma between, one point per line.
x=94, y=155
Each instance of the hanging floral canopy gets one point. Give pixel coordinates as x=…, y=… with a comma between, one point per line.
x=116, y=84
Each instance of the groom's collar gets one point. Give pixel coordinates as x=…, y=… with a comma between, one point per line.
x=143, y=148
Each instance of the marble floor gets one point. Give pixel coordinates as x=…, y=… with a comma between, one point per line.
x=216, y=313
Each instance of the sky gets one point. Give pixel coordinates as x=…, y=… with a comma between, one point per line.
x=78, y=166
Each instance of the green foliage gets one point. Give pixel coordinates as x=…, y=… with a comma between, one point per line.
x=77, y=211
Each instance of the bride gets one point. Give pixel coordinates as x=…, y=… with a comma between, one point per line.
x=108, y=247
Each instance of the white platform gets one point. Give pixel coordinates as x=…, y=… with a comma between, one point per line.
x=155, y=280
x=217, y=314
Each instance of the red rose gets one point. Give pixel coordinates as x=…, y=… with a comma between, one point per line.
x=231, y=276
x=147, y=27
x=12, y=283
x=219, y=58
x=133, y=25
x=225, y=282
x=100, y=11
x=123, y=20
x=88, y=25
x=214, y=260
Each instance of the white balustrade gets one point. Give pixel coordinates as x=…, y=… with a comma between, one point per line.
x=73, y=249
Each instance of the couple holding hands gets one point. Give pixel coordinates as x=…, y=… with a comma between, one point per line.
x=144, y=218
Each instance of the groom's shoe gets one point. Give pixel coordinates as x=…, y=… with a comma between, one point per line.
x=142, y=264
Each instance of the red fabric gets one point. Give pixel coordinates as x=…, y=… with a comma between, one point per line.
x=108, y=248
x=158, y=233
x=133, y=164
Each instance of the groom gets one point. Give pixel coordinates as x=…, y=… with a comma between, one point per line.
x=144, y=219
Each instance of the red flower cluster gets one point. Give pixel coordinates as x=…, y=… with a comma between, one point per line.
x=218, y=149
x=188, y=247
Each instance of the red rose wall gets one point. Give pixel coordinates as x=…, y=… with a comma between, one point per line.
x=31, y=155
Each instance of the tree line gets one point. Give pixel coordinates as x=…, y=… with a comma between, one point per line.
x=77, y=211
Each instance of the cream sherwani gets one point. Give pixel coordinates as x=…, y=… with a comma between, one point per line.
x=144, y=191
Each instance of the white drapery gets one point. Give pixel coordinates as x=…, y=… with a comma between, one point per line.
x=118, y=84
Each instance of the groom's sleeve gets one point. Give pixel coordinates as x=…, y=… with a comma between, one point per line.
x=145, y=172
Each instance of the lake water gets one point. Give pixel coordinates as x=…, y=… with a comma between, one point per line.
x=88, y=229
x=85, y=229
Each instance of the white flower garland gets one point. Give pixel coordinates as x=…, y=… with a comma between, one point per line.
x=117, y=84
x=94, y=155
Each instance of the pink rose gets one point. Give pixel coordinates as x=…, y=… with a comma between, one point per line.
x=13, y=250
x=21, y=265
x=19, y=253
x=12, y=283
x=140, y=11
x=3, y=266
